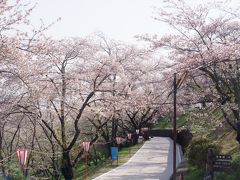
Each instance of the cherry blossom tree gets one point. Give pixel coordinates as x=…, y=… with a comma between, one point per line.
x=14, y=16
x=205, y=41
x=70, y=73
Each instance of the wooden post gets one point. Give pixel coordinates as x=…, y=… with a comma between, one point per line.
x=130, y=148
x=210, y=160
x=25, y=174
x=117, y=154
x=86, y=166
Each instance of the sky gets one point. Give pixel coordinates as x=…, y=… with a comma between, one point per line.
x=117, y=19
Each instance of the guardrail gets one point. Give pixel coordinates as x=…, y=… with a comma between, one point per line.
x=161, y=133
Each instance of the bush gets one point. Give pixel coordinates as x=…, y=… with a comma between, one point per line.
x=236, y=162
x=184, y=138
x=197, y=151
x=194, y=173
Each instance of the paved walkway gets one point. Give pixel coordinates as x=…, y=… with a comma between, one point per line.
x=153, y=161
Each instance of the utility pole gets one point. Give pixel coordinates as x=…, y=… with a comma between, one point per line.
x=114, y=120
x=176, y=85
x=174, y=124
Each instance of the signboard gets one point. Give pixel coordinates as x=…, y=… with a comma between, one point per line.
x=224, y=157
x=221, y=169
x=222, y=163
x=114, y=153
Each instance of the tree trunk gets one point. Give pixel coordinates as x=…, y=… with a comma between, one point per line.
x=56, y=174
x=66, y=167
x=1, y=156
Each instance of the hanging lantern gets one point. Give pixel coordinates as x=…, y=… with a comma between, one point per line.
x=118, y=140
x=22, y=155
x=86, y=146
x=129, y=135
x=145, y=129
x=137, y=131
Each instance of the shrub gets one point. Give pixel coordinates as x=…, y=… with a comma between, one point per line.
x=184, y=138
x=197, y=151
x=236, y=162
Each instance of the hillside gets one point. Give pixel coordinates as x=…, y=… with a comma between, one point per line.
x=210, y=124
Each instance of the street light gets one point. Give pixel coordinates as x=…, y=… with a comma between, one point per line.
x=22, y=155
x=86, y=147
x=176, y=85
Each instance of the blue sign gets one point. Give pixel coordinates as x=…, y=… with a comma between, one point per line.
x=6, y=177
x=114, y=153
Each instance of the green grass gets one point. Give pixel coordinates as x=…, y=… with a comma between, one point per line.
x=182, y=120
x=194, y=173
x=205, y=127
x=106, y=164
x=227, y=176
x=163, y=123
x=224, y=136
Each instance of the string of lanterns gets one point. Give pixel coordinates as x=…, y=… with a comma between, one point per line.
x=23, y=153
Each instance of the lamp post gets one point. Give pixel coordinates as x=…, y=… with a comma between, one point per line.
x=86, y=147
x=176, y=85
x=22, y=155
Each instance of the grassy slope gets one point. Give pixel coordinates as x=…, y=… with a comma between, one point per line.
x=105, y=164
x=124, y=155
x=205, y=126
